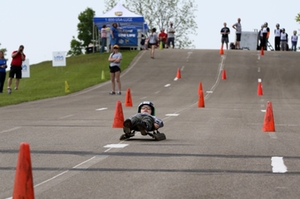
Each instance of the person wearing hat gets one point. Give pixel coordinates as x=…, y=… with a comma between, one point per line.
x=144, y=121
x=115, y=69
x=277, y=33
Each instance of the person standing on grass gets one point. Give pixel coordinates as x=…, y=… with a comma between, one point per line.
x=3, y=67
x=16, y=67
x=103, y=38
x=115, y=69
x=114, y=33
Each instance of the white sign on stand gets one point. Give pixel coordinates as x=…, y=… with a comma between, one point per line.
x=25, y=68
x=59, y=58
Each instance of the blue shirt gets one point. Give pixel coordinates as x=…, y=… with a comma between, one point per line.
x=114, y=32
x=3, y=62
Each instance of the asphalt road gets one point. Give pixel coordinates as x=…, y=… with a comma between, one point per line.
x=218, y=151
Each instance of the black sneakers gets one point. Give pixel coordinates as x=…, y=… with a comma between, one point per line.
x=127, y=126
x=142, y=128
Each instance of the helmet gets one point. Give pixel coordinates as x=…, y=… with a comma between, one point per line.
x=149, y=104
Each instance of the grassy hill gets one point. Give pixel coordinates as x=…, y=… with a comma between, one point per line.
x=46, y=81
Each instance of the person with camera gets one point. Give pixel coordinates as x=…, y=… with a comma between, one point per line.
x=16, y=67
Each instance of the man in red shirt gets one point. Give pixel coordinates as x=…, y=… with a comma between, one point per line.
x=163, y=37
x=16, y=67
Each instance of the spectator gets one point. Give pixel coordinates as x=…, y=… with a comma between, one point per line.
x=294, y=39
x=113, y=36
x=268, y=35
x=277, y=33
x=238, y=32
x=3, y=67
x=163, y=37
x=171, y=36
x=103, y=38
x=153, y=40
x=16, y=67
x=283, y=40
x=264, y=31
x=115, y=69
x=225, y=31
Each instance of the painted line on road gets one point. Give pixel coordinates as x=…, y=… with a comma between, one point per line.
x=63, y=117
x=167, y=85
x=278, y=165
x=272, y=135
x=9, y=130
x=172, y=114
x=101, y=109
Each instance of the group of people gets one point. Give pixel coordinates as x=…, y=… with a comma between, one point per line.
x=281, y=37
x=18, y=57
x=225, y=31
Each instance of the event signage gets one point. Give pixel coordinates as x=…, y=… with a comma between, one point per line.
x=25, y=68
x=59, y=58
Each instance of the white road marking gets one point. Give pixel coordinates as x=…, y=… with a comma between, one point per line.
x=278, y=165
x=101, y=109
x=263, y=111
x=175, y=79
x=259, y=80
x=272, y=135
x=115, y=146
x=172, y=114
x=167, y=85
x=258, y=70
x=9, y=130
x=209, y=91
x=66, y=116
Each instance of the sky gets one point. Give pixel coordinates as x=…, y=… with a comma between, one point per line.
x=47, y=26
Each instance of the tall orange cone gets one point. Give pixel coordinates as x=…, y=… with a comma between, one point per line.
x=23, y=186
x=200, y=88
x=178, y=76
x=128, y=100
x=269, y=125
x=119, y=116
x=223, y=74
x=201, y=100
x=262, y=51
x=259, y=88
x=221, y=50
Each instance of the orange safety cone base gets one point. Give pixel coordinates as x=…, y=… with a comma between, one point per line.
x=128, y=100
x=201, y=100
x=23, y=186
x=259, y=89
x=119, y=116
x=269, y=125
x=223, y=74
x=178, y=75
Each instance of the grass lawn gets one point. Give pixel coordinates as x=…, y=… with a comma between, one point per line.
x=46, y=81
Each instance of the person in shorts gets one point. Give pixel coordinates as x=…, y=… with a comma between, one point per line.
x=225, y=31
x=18, y=57
x=171, y=36
x=115, y=69
x=238, y=32
x=153, y=40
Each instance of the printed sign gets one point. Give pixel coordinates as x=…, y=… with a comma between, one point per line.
x=59, y=58
x=25, y=69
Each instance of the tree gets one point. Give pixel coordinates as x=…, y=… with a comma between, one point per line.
x=159, y=14
x=76, y=47
x=85, y=26
x=3, y=50
x=298, y=18
x=85, y=29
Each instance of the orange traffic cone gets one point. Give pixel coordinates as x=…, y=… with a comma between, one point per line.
x=269, y=125
x=119, y=117
x=200, y=88
x=223, y=74
x=259, y=88
x=178, y=76
x=128, y=100
x=23, y=187
x=221, y=51
x=262, y=51
x=201, y=100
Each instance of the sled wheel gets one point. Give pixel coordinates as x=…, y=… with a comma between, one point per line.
x=159, y=136
x=124, y=137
